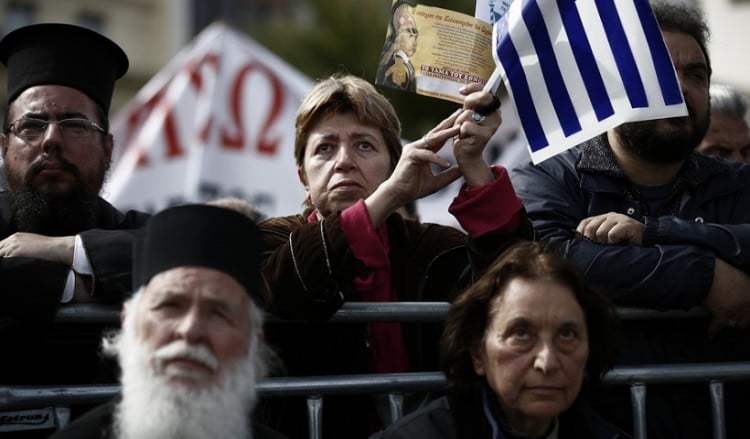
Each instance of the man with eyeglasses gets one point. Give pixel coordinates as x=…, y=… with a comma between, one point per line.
x=59, y=241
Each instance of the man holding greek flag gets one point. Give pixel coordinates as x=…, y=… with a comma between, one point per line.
x=575, y=69
x=653, y=223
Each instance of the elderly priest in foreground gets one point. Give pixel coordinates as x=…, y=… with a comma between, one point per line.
x=190, y=348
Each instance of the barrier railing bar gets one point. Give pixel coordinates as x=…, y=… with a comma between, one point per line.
x=359, y=312
x=716, y=388
x=678, y=373
x=628, y=313
x=21, y=397
x=638, y=402
x=352, y=384
x=17, y=396
x=88, y=313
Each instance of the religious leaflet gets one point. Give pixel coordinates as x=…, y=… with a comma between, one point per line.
x=434, y=52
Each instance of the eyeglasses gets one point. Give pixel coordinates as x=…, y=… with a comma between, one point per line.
x=32, y=129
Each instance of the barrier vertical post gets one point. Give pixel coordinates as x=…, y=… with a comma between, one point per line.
x=315, y=416
x=396, y=403
x=638, y=401
x=716, y=388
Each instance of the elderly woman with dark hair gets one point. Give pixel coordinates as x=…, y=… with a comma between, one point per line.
x=516, y=349
x=349, y=244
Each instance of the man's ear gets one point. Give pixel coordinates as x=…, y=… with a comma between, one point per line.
x=124, y=312
x=108, y=146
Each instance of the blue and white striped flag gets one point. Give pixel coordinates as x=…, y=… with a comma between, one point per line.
x=577, y=68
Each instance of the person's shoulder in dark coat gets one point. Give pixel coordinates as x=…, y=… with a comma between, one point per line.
x=97, y=424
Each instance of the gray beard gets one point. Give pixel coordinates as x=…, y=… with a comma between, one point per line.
x=154, y=409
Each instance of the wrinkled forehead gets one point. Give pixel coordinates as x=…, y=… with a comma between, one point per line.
x=685, y=49
x=530, y=295
x=197, y=284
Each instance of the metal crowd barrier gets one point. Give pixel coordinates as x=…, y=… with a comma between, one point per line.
x=362, y=312
x=315, y=389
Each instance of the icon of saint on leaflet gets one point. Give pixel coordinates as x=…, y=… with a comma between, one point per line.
x=395, y=68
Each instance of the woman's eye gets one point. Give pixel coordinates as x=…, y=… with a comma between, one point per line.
x=520, y=332
x=322, y=149
x=366, y=146
x=567, y=334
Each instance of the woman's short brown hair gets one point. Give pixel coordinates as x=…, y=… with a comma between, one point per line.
x=340, y=94
x=471, y=312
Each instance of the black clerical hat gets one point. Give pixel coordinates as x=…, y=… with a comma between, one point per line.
x=62, y=54
x=199, y=235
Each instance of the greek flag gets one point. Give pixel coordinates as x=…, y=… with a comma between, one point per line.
x=577, y=68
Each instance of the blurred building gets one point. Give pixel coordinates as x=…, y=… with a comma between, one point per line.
x=150, y=31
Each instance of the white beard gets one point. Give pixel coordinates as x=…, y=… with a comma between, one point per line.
x=151, y=407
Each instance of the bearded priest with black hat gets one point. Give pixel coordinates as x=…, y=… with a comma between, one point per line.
x=191, y=346
x=59, y=241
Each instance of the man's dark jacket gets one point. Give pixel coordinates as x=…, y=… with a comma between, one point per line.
x=31, y=289
x=97, y=424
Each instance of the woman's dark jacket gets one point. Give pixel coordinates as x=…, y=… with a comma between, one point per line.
x=309, y=271
x=453, y=417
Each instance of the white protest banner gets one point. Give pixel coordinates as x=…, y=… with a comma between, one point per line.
x=218, y=120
